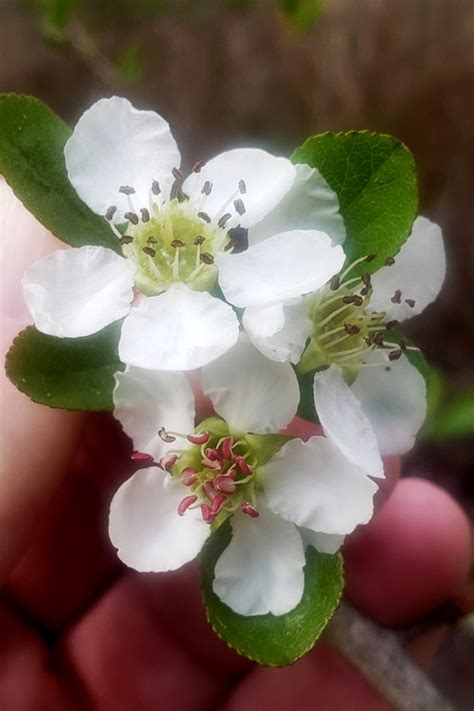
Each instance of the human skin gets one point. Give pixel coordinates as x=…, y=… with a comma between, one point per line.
x=80, y=631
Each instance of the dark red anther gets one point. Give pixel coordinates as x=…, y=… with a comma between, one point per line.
x=150, y=251
x=395, y=355
x=225, y=484
x=204, y=216
x=411, y=303
x=370, y=257
x=217, y=504
x=392, y=324
x=132, y=217
x=207, y=188
x=353, y=299
x=206, y=258
x=389, y=262
x=198, y=240
x=206, y=513
x=242, y=187
x=127, y=190
x=223, y=220
x=198, y=165
x=168, y=461
x=189, y=475
x=351, y=329
x=249, y=510
x=209, y=490
x=166, y=436
x=226, y=447
x=155, y=187
x=177, y=243
x=141, y=457
x=213, y=454
x=126, y=239
x=397, y=297
x=239, y=206
x=145, y=214
x=177, y=174
x=186, y=503
x=109, y=215
x=198, y=438
x=232, y=472
x=335, y=282
x=243, y=466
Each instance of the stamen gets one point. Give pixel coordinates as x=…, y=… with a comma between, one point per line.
x=181, y=196
x=155, y=187
x=230, y=245
x=242, y=187
x=250, y=510
x=177, y=243
x=370, y=257
x=367, y=258
x=243, y=466
x=209, y=490
x=168, y=461
x=126, y=239
x=213, y=454
x=206, y=513
x=206, y=258
x=351, y=329
x=411, y=303
x=109, y=215
x=189, y=476
x=177, y=174
x=217, y=504
x=225, y=484
x=151, y=240
x=335, y=283
x=239, y=206
x=166, y=436
x=226, y=447
x=397, y=297
x=199, y=438
x=204, y=216
x=145, y=214
x=142, y=457
x=206, y=188
x=132, y=217
x=353, y=299
x=198, y=165
x=198, y=240
x=395, y=355
x=224, y=220
x=186, y=503
x=389, y=262
x=150, y=251
x=127, y=190
x=392, y=324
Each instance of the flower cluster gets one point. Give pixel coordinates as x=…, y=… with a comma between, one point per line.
x=238, y=270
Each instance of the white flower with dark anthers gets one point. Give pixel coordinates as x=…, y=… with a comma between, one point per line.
x=196, y=478
x=124, y=164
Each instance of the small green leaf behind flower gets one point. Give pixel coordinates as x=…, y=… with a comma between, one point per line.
x=269, y=639
x=32, y=140
x=68, y=373
x=374, y=177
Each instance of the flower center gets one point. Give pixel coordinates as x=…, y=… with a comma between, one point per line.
x=173, y=239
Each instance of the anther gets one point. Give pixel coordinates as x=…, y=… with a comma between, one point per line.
x=145, y=214
x=141, y=457
x=126, y=239
x=377, y=338
x=199, y=239
x=230, y=245
x=217, y=504
x=206, y=188
x=389, y=262
x=239, y=206
x=168, y=461
x=223, y=220
x=370, y=257
x=204, y=216
x=411, y=303
x=127, y=190
x=150, y=251
x=109, y=215
x=177, y=174
x=199, y=438
x=213, y=454
x=177, y=243
x=335, y=283
x=209, y=490
x=392, y=324
x=225, y=484
x=151, y=240
x=206, y=258
x=155, y=187
x=395, y=355
x=226, y=447
x=397, y=297
x=165, y=435
x=206, y=513
x=243, y=465
x=198, y=165
x=366, y=279
x=189, y=476
x=250, y=510
x=186, y=503
x=132, y=217
x=242, y=187
x=353, y=299
x=351, y=329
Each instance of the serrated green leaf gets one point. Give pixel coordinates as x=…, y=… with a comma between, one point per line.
x=68, y=373
x=374, y=178
x=32, y=142
x=270, y=640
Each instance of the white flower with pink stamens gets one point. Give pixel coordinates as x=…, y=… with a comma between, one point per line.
x=279, y=499
x=172, y=230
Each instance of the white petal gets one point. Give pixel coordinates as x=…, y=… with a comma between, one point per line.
x=418, y=272
x=279, y=332
x=323, y=542
x=344, y=422
x=313, y=485
x=251, y=393
x=145, y=527
x=309, y=204
x=282, y=267
x=266, y=178
x=114, y=145
x=178, y=330
x=76, y=292
x=393, y=397
x=146, y=400
x=261, y=570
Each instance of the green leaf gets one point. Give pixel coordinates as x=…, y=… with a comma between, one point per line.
x=69, y=373
x=270, y=640
x=454, y=420
x=306, y=408
x=32, y=142
x=374, y=178
x=302, y=13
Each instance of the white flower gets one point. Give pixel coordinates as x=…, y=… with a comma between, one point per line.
x=124, y=164
x=305, y=494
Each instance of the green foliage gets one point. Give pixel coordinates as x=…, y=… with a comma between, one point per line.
x=454, y=420
x=306, y=408
x=129, y=63
x=374, y=178
x=270, y=640
x=302, y=13
x=32, y=142
x=68, y=373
